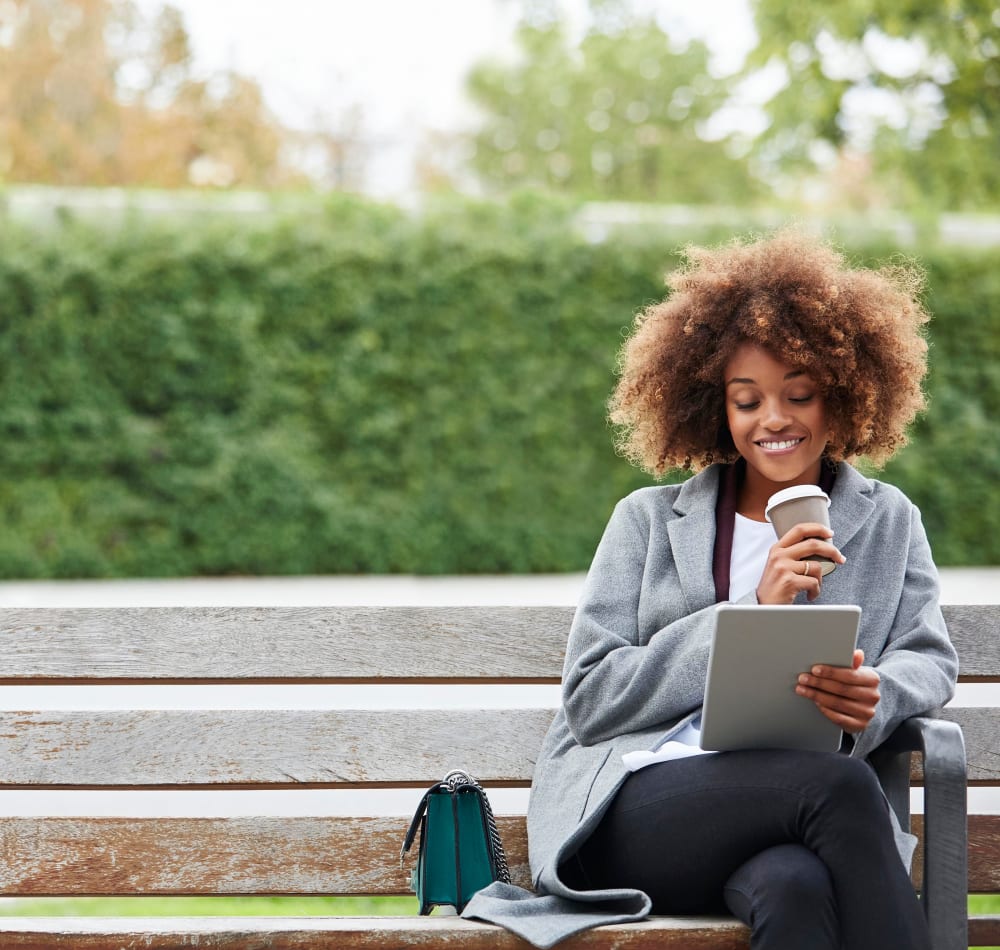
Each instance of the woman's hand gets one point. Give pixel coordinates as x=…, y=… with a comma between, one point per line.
x=786, y=573
x=845, y=696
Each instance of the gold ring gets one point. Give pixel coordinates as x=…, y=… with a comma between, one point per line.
x=805, y=569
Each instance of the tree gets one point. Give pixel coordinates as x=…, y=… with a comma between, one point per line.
x=908, y=90
x=624, y=114
x=93, y=93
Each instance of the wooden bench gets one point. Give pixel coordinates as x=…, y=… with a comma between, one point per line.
x=185, y=750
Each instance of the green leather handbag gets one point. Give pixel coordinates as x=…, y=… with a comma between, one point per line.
x=460, y=850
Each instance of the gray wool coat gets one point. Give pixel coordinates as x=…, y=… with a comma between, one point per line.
x=638, y=653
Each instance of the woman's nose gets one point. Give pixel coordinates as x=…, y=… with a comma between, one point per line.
x=775, y=415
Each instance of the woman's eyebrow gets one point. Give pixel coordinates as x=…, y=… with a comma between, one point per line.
x=753, y=382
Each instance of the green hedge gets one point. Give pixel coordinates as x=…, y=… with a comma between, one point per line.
x=359, y=390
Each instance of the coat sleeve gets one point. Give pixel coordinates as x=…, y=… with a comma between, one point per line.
x=615, y=680
x=918, y=665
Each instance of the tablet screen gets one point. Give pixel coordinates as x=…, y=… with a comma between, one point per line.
x=757, y=654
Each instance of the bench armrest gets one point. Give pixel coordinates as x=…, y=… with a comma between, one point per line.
x=945, y=862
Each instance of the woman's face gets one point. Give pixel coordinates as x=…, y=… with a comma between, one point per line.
x=776, y=416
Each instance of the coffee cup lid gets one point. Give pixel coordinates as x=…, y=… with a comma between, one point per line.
x=790, y=494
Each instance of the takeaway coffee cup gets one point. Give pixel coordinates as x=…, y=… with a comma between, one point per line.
x=791, y=506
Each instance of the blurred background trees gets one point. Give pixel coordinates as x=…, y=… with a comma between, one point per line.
x=92, y=92
x=893, y=102
x=851, y=105
x=621, y=115
x=863, y=105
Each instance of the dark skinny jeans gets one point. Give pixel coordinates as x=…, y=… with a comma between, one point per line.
x=797, y=845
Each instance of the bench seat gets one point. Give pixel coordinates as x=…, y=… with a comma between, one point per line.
x=179, y=750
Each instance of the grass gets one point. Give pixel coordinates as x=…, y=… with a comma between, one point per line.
x=207, y=906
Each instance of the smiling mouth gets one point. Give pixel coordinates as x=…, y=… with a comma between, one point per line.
x=779, y=445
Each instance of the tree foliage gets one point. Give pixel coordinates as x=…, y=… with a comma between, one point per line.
x=92, y=92
x=620, y=115
x=910, y=89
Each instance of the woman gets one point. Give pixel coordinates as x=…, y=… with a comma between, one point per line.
x=771, y=364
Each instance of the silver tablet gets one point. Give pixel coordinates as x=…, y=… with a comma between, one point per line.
x=757, y=655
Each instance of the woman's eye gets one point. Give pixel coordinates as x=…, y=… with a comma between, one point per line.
x=801, y=399
x=744, y=406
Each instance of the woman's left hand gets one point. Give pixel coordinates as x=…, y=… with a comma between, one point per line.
x=846, y=696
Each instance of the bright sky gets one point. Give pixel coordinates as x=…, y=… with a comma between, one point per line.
x=402, y=62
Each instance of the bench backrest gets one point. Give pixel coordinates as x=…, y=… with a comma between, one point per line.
x=153, y=746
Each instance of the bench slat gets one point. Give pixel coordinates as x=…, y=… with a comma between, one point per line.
x=319, y=747
x=980, y=727
x=162, y=856
x=984, y=853
x=266, y=747
x=284, y=643
x=975, y=631
x=353, y=933
x=336, y=644
x=984, y=930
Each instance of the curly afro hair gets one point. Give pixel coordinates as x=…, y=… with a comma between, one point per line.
x=858, y=333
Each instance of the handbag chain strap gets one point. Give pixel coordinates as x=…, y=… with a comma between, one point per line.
x=457, y=778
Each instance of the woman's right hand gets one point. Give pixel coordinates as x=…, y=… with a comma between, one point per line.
x=786, y=573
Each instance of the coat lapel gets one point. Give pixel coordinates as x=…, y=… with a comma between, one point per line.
x=850, y=504
x=692, y=532
x=692, y=538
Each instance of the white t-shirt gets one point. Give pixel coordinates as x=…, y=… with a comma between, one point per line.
x=751, y=542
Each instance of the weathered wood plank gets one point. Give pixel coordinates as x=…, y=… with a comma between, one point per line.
x=327, y=747
x=984, y=853
x=266, y=747
x=984, y=930
x=334, y=644
x=163, y=856
x=980, y=727
x=975, y=631
x=280, y=643
x=352, y=933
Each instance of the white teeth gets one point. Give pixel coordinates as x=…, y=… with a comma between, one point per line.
x=775, y=446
